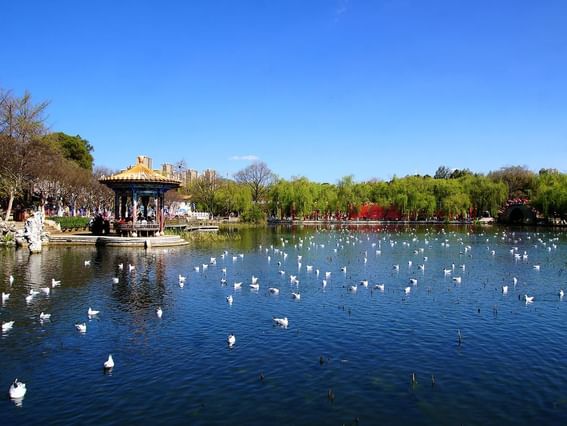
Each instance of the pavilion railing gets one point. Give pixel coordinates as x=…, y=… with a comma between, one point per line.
x=138, y=227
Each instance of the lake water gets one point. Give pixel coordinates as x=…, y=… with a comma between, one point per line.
x=346, y=356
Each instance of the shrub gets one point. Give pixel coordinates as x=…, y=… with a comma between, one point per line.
x=254, y=214
x=71, y=222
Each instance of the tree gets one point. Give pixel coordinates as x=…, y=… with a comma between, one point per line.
x=203, y=192
x=72, y=148
x=443, y=172
x=21, y=123
x=258, y=177
x=519, y=179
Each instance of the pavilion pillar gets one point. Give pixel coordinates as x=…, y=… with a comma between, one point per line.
x=124, y=201
x=158, y=212
x=134, y=208
x=161, y=213
x=145, y=202
x=116, y=206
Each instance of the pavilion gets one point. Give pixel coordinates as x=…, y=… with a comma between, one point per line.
x=137, y=190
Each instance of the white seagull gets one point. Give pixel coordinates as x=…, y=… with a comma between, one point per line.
x=109, y=363
x=273, y=290
x=7, y=326
x=91, y=312
x=81, y=327
x=17, y=390
x=55, y=283
x=296, y=296
x=282, y=322
x=44, y=317
x=231, y=340
x=159, y=312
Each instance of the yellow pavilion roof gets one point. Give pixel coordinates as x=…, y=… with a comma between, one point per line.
x=139, y=173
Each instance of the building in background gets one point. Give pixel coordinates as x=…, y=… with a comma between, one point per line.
x=146, y=161
x=210, y=175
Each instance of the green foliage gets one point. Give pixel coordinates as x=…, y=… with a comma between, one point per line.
x=253, y=214
x=72, y=148
x=71, y=222
x=551, y=194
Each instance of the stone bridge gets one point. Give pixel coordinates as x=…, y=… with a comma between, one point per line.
x=518, y=214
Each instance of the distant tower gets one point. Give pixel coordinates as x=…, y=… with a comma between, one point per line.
x=145, y=160
x=210, y=175
x=192, y=176
x=167, y=169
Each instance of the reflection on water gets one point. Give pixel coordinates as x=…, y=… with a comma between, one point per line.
x=376, y=355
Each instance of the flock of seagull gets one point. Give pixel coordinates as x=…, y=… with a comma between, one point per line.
x=277, y=255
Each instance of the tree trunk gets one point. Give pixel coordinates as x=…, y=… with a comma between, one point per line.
x=10, y=203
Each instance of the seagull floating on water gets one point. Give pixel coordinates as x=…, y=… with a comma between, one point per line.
x=87, y=263
x=504, y=289
x=159, y=312
x=407, y=290
x=273, y=290
x=91, y=312
x=44, y=317
x=55, y=283
x=229, y=299
x=7, y=326
x=115, y=280
x=283, y=322
x=237, y=285
x=109, y=363
x=5, y=296
x=82, y=328
x=231, y=340
x=46, y=290
x=379, y=287
x=17, y=390
x=296, y=296
x=11, y=279
x=528, y=299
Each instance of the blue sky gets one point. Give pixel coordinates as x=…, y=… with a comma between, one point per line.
x=321, y=89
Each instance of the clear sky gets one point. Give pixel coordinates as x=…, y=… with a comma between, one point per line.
x=315, y=88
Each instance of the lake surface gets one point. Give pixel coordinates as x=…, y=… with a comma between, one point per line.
x=346, y=356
